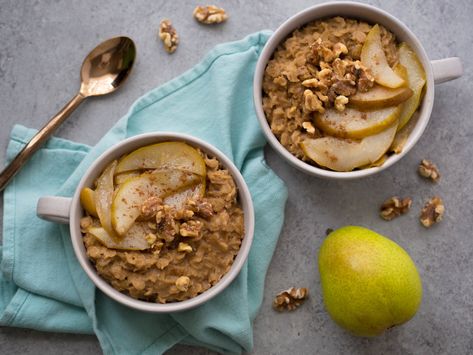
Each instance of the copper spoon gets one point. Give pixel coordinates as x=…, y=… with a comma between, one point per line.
x=104, y=69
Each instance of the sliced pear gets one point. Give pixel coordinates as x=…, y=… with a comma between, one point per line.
x=103, y=198
x=344, y=154
x=122, y=177
x=416, y=81
x=373, y=57
x=87, y=200
x=380, y=97
x=352, y=123
x=178, y=199
x=403, y=134
x=135, y=238
x=168, y=155
x=129, y=198
x=377, y=163
x=380, y=161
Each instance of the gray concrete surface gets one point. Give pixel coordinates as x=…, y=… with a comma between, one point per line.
x=42, y=44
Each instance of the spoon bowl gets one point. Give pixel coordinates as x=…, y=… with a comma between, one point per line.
x=107, y=66
x=103, y=71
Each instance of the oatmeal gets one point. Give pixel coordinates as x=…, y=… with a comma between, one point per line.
x=322, y=69
x=181, y=242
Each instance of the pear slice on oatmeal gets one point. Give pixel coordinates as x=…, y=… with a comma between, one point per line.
x=167, y=155
x=131, y=195
x=347, y=154
x=372, y=55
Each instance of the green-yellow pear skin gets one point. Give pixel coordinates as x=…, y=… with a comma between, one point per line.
x=369, y=283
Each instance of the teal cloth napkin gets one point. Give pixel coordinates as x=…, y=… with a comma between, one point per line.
x=42, y=285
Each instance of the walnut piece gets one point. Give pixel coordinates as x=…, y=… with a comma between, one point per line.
x=167, y=226
x=322, y=97
x=184, y=214
x=169, y=36
x=150, y=238
x=432, y=212
x=365, y=78
x=340, y=102
x=202, y=208
x=183, y=283
x=308, y=127
x=191, y=228
x=324, y=74
x=428, y=170
x=290, y=299
x=311, y=83
x=205, y=209
x=343, y=86
x=393, y=207
x=150, y=207
x=210, y=14
x=312, y=102
x=184, y=247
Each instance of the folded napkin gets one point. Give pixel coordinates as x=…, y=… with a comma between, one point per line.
x=42, y=285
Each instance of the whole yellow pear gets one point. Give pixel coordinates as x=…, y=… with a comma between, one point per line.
x=369, y=283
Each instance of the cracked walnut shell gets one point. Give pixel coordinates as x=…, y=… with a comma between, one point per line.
x=210, y=14
x=167, y=34
x=428, y=170
x=432, y=212
x=290, y=299
x=394, y=206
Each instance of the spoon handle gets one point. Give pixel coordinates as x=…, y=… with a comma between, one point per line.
x=35, y=143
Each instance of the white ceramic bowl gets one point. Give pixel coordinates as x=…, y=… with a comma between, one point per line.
x=437, y=71
x=69, y=210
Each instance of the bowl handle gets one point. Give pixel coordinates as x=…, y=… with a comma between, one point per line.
x=54, y=208
x=446, y=69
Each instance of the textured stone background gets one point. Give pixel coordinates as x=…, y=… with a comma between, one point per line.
x=42, y=44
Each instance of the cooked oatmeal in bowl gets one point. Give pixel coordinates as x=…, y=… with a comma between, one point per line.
x=344, y=90
x=336, y=91
x=172, y=228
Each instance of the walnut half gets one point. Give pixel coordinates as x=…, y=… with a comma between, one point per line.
x=394, y=206
x=167, y=34
x=432, y=212
x=290, y=299
x=428, y=170
x=210, y=14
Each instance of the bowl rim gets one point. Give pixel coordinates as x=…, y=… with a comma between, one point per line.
x=345, y=9
x=127, y=145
